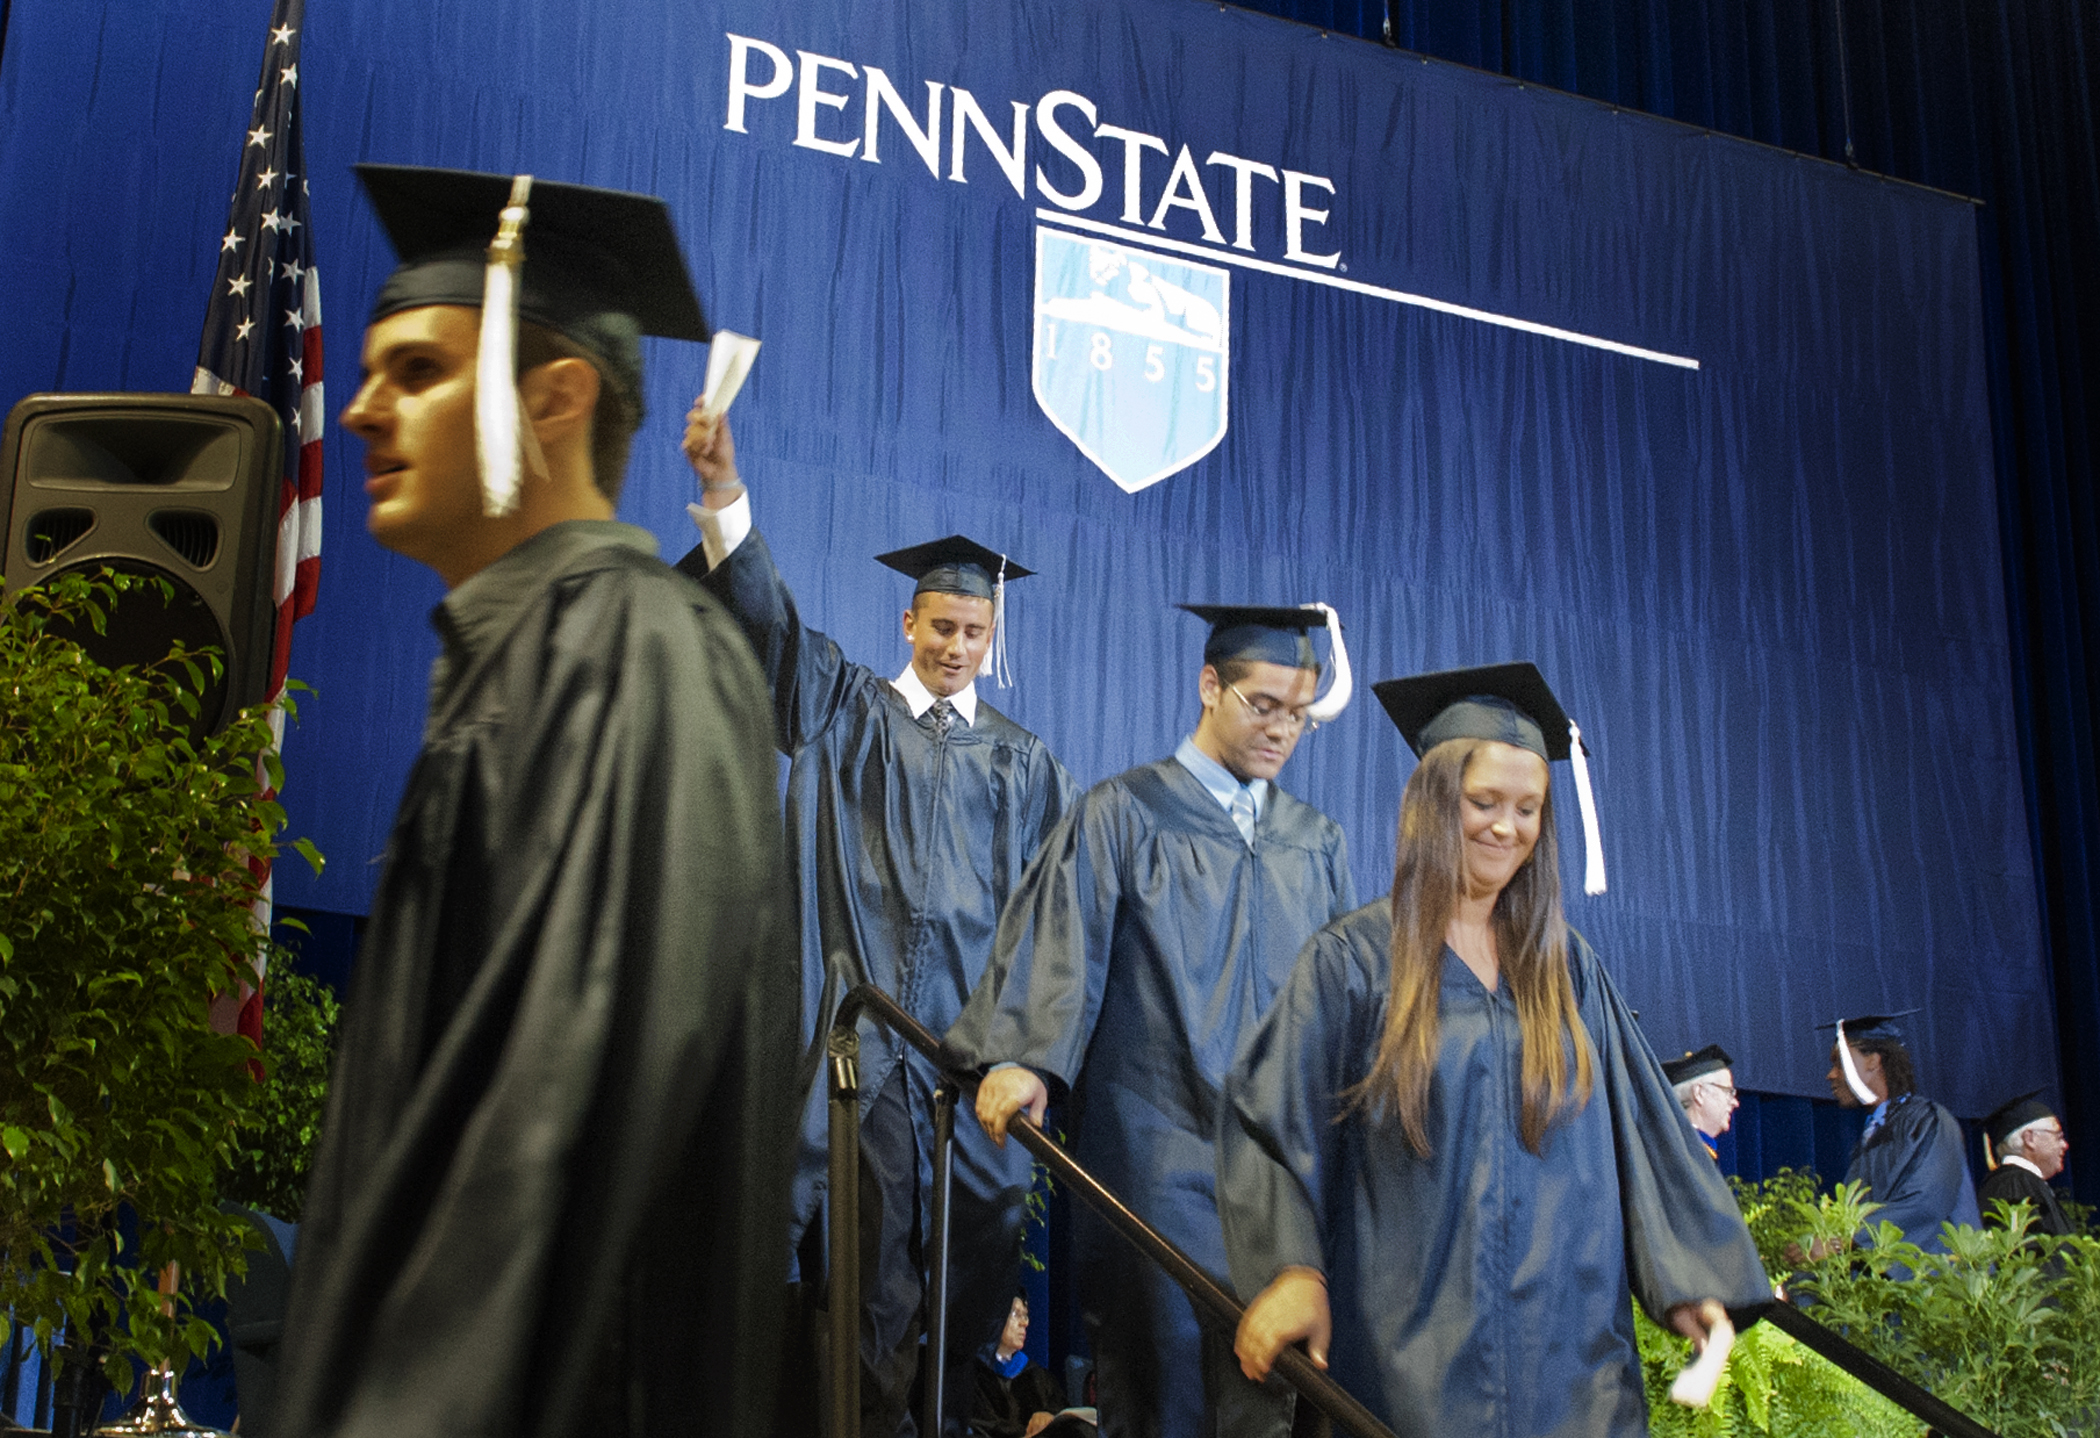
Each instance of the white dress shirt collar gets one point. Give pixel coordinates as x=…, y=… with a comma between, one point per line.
x=920, y=698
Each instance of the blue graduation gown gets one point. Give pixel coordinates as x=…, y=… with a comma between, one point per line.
x=1482, y=1290
x=1147, y=937
x=1913, y=1167
x=904, y=847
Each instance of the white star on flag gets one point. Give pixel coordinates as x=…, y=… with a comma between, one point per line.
x=282, y=367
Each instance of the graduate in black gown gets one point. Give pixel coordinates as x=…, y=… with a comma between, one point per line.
x=1449, y=1159
x=552, y=1179
x=913, y=806
x=1910, y=1153
x=1155, y=928
x=2027, y=1148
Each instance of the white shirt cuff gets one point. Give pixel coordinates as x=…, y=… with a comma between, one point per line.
x=722, y=530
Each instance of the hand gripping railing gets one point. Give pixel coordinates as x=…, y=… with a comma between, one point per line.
x=842, y=1049
x=1212, y=1302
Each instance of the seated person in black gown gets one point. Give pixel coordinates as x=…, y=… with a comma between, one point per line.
x=1010, y=1397
x=2027, y=1146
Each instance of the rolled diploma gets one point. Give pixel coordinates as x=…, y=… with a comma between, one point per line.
x=729, y=360
x=1695, y=1386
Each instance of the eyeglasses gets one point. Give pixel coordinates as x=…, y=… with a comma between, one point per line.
x=1268, y=711
x=1728, y=1089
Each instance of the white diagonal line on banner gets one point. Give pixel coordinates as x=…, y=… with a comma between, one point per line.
x=1149, y=240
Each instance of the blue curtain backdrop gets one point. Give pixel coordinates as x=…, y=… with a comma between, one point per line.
x=1974, y=96
x=1769, y=586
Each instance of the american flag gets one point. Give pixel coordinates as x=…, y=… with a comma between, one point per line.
x=262, y=337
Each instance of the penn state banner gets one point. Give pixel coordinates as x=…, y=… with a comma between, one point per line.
x=1175, y=302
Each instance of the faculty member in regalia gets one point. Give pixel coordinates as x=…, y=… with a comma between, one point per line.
x=1704, y=1083
x=913, y=806
x=1449, y=1160
x=552, y=1178
x=2027, y=1148
x=1152, y=931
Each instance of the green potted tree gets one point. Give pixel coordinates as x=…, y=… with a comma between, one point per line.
x=125, y=906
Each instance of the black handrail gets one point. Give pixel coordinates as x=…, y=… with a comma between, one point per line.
x=1949, y=1421
x=1211, y=1301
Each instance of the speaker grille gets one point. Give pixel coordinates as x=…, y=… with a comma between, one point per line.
x=193, y=535
x=52, y=532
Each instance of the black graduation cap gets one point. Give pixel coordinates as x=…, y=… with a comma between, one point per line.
x=1506, y=702
x=601, y=266
x=1873, y=1026
x=1266, y=633
x=1509, y=703
x=955, y=565
x=1711, y=1059
x=2009, y=1119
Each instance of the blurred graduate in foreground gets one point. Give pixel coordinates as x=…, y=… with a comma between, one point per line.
x=552, y=1182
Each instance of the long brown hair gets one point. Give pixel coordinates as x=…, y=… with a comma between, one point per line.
x=1531, y=939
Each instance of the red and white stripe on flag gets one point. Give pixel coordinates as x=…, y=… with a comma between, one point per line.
x=262, y=337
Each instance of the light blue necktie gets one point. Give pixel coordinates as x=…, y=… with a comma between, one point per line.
x=1242, y=812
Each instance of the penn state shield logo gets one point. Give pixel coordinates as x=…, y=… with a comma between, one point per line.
x=1131, y=351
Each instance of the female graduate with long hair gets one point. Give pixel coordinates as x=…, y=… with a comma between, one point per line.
x=1449, y=1158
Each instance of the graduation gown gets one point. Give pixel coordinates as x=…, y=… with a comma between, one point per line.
x=1145, y=939
x=552, y=1180
x=2010, y=1183
x=1914, y=1168
x=904, y=847
x=1482, y=1290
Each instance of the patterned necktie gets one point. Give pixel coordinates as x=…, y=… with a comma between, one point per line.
x=1242, y=812
x=943, y=718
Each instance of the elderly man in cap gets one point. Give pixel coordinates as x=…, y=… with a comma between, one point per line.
x=913, y=807
x=2026, y=1148
x=552, y=1178
x=1156, y=926
x=1704, y=1084
x=1910, y=1153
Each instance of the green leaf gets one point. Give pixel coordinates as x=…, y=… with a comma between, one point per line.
x=16, y=1141
x=308, y=852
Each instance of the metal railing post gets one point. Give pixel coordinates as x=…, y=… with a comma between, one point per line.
x=937, y=1257
x=842, y=1064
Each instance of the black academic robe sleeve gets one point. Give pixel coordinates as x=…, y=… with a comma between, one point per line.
x=551, y=1190
x=2010, y=1184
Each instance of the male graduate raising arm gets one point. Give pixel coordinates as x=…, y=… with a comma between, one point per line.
x=552, y=1178
x=913, y=805
x=1157, y=924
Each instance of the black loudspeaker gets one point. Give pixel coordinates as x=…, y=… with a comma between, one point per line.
x=180, y=487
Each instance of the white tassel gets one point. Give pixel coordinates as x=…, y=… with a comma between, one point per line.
x=1330, y=705
x=497, y=405
x=994, y=666
x=1592, y=831
x=1866, y=1096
